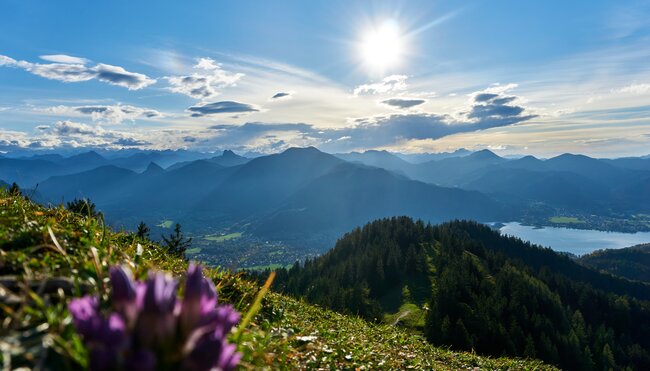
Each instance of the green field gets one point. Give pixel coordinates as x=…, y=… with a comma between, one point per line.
x=566, y=220
x=409, y=315
x=165, y=224
x=194, y=250
x=222, y=237
x=268, y=266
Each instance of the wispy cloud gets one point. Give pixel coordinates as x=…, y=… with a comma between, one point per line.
x=114, y=114
x=62, y=58
x=389, y=84
x=221, y=107
x=634, y=89
x=69, y=71
x=281, y=95
x=403, y=102
x=204, y=83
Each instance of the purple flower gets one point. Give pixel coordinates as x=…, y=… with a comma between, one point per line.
x=208, y=349
x=229, y=357
x=124, y=295
x=85, y=316
x=113, y=331
x=105, y=336
x=200, y=299
x=151, y=328
x=157, y=321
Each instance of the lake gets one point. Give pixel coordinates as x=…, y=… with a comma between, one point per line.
x=575, y=241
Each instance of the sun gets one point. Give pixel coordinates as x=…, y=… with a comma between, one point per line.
x=382, y=46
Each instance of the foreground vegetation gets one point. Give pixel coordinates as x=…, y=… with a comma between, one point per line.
x=49, y=256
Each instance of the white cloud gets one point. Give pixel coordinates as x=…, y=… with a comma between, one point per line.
x=114, y=114
x=203, y=84
x=62, y=58
x=6, y=61
x=69, y=128
x=389, y=84
x=497, y=88
x=635, y=89
x=70, y=134
x=403, y=103
x=67, y=70
x=62, y=72
x=116, y=75
x=207, y=64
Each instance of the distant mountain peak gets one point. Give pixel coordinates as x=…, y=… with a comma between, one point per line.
x=485, y=154
x=89, y=155
x=382, y=151
x=572, y=158
x=301, y=149
x=570, y=155
x=153, y=168
x=229, y=153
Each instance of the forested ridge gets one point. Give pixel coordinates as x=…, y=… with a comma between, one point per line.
x=496, y=295
x=632, y=263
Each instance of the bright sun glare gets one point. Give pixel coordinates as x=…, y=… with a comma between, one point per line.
x=382, y=46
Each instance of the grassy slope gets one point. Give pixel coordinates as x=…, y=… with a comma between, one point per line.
x=38, y=278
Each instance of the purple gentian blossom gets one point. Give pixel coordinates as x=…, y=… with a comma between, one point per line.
x=150, y=328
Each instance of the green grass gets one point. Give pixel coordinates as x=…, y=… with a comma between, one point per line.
x=565, y=220
x=409, y=316
x=268, y=266
x=43, y=270
x=194, y=250
x=222, y=238
x=165, y=224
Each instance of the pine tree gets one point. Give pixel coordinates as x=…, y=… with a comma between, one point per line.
x=460, y=336
x=14, y=190
x=83, y=207
x=608, y=358
x=588, y=359
x=406, y=294
x=529, y=349
x=176, y=243
x=143, y=231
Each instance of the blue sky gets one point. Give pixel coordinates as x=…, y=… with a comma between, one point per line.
x=540, y=77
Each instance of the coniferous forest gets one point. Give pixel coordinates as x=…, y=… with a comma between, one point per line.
x=482, y=291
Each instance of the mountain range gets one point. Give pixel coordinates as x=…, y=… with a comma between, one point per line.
x=303, y=193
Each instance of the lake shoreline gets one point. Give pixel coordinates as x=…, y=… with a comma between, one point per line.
x=572, y=240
